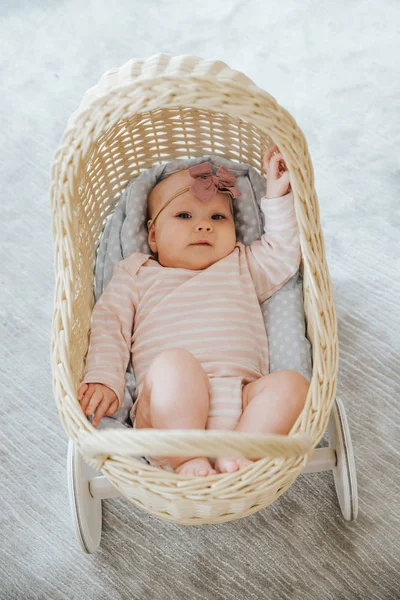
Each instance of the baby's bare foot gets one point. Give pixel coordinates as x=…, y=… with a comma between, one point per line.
x=230, y=464
x=196, y=466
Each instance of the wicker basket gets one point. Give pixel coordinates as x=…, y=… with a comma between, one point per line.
x=147, y=112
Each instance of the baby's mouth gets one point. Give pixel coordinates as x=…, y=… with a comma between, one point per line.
x=201, y=243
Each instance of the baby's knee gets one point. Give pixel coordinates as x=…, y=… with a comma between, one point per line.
x=295, y=387
x=176, y=364
x=171, y=361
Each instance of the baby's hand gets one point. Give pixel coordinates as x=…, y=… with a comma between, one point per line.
x=97, y=397
x=278, y=182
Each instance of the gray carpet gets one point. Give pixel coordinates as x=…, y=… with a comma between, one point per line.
x=334, y=66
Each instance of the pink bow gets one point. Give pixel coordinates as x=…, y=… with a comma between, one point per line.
x=206, y=184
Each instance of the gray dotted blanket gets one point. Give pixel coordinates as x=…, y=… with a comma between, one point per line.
x=125, y=232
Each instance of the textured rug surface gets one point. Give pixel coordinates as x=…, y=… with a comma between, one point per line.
x=334, y=66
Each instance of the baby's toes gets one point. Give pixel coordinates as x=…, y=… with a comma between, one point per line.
x=230, y=464
x=243, y=462
x=197, y=467
x=226, y=464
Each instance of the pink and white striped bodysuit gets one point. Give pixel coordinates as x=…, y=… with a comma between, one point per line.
x=213, y=313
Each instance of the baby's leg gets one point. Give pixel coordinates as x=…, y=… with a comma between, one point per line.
x=271, y=404
x=175, y=395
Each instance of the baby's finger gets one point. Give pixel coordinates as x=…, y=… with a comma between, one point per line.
x=275, y=162
x=87, y=396
x=84, y=403
x=94, y=402
x=100, y=411
x=267, y=156
x=90, y=390
x=81, y=390
x=113, y=408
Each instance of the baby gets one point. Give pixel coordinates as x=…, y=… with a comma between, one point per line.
x=190, y=319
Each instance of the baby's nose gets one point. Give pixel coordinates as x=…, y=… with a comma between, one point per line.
x=204, y=225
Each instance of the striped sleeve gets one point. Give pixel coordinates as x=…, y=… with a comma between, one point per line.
x=275, y=258
x=111, y=332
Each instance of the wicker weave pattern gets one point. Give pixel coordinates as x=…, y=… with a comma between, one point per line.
x=143, y=113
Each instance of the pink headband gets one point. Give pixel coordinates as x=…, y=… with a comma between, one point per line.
x=205, y=185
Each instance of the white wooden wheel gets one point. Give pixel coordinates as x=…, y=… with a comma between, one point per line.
x=344, y=472
x=86, y=510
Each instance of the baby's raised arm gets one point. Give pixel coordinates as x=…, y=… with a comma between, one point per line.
x=102, y=388
x=275, y=258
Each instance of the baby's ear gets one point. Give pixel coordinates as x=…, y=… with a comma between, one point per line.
x=151, y=239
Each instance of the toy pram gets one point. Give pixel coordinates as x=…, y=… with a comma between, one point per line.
x=146, y=112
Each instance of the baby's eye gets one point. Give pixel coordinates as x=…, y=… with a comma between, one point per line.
x=185, y=213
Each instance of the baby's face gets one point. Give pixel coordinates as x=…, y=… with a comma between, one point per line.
x=185, y=221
